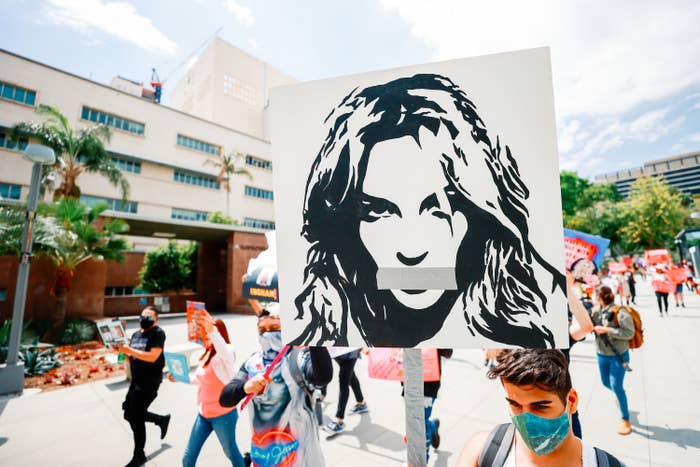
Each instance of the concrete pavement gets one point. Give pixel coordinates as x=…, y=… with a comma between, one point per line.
x=83, y=425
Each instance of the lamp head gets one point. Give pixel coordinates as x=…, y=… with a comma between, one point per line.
x=39, y=154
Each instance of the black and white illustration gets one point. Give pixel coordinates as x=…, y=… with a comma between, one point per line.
x=408, y=183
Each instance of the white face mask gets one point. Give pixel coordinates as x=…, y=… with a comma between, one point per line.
x=270, y=342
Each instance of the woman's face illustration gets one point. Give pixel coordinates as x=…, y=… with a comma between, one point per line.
x=415, y=227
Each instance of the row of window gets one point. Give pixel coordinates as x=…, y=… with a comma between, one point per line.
x=15, y=93
x=259, y=163
x=127, y=165
x=126, y=290
x=114, y=204
x=112, y=120
x=198, y=145
x=7, y=142
x=8, y=191
x=194, y=179
x=258, y=224
x=188, y=214
x=259, y=193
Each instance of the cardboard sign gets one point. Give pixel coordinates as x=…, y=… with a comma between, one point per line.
x=384, y=363
x=414, y=206
x=579, y=245
x=112, y=332
x=194, y=332
x=659, y=256
x=178, y=366
x=261, y=284
x=663, y=286
x=677, y=275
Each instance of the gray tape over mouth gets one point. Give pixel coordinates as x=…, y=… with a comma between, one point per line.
x=412, y=278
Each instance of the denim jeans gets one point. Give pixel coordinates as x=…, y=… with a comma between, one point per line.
x=612, y=374
x=429, y=424
x=225, y=428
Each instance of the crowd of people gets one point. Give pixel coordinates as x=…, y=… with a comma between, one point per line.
x=285, y=384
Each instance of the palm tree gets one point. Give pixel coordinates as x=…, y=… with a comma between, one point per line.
x=228, y=166
x=83, y=236
x=76, y=151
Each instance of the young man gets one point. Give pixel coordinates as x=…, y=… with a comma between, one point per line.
x=284, y=427
x=538, y=391
x=145, y=357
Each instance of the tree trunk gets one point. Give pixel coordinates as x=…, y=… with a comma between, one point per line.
x=58, y=318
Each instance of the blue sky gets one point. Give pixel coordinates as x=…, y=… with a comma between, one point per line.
x=627, y=84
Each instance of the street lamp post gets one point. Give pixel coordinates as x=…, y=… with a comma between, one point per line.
x=12, y=373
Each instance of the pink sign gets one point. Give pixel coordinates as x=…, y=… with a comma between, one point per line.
x=387, y=364
x=663, y=286
x=677, y=275
x=617, y=268
x=575, y=248
x=657, y=256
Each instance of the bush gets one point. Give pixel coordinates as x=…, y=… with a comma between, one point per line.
x=218, y=217
x=171, y=267
x=38, y=362
x=77, y=331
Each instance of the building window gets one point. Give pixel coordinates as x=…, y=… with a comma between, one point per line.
x=238, y=89
x=198, y=145
x=120, y=123
x=259, y=163
x=114, y=204
x=188, y=215
x=7, y=143
x=113, y=291
x=259, y=193
x=8, y=191
x=196, y=179
x=258, y=224
x=3, y=295
x=127, y=165
x=14, y=93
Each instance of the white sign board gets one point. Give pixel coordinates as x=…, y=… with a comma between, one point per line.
x=420, y=206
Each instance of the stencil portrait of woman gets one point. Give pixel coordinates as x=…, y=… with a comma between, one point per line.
x=409, y=177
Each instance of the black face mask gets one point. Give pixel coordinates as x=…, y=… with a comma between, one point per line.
x=146, y=322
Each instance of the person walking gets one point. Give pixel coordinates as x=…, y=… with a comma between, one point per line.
x=284, y=426
x=346, y=380
x=625, y=290
x=614, y=327
x=145, y=358
x=216, y=368
x=633, y=286
x=659, y=283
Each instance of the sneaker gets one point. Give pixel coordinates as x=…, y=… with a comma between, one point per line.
x=359, y=409
x=625, y=428
x=334, y=427
x=137, y=461
x=246, y=459
x=435, y=439
x=164, y=426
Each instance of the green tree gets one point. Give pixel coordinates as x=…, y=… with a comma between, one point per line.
x=654, y=213
x=84, y=236
x=218, y=217
x=46, y=231
x=229, y=166
x=170, y=267
x=572, y=191
x=76, y=152
x=603, y=218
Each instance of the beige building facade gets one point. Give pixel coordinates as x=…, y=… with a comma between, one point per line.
x=162, y=151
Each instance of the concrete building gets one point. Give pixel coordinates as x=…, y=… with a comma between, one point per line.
x=681, y=171
x=230, y=87
x=166, y=154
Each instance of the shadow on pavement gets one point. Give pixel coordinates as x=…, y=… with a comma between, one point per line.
x=163, y=447
x=441, y=458
x=3, y=440
x=681, y=437
x=117, y=385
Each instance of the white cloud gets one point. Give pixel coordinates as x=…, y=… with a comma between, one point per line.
x=696, y=106
x=243, y=14
x=607, y=57
x=695, y=138
x=677, y=147
x=118, y=19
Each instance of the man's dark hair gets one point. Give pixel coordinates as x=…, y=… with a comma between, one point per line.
x=546, y=369
x=151, y=308
x=606, y=295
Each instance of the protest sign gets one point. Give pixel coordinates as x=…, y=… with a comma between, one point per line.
x=112, y=332
x=178, y=366
x=583, y=245
x=261, y=284
x=659, y=256
x=386, y=363
x=390, y=185
x=617, y=268
x=677, y=275
x=663, y=286
x=194, y=332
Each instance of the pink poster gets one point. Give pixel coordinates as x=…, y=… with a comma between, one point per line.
x=677, y=275
x=385, y=363
x=617, y=268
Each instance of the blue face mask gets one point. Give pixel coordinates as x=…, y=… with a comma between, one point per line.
x=271, y=344
x=542, y=435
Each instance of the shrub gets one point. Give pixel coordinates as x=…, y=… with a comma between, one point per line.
x=77, y=331
x=38, y=362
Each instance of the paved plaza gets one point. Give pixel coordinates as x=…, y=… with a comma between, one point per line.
x=83, y=425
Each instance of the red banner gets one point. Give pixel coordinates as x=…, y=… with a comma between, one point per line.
x=384, y=363
x=677, y=275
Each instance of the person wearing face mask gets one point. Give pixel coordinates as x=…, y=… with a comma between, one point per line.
x=145, y=358
x=284, y=427
x=541, y=398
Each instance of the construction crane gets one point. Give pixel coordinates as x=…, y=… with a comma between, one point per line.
x=157, y=84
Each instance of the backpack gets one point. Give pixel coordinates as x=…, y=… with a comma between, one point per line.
x=313, y=399
x=638, y=338
x=497, y=446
